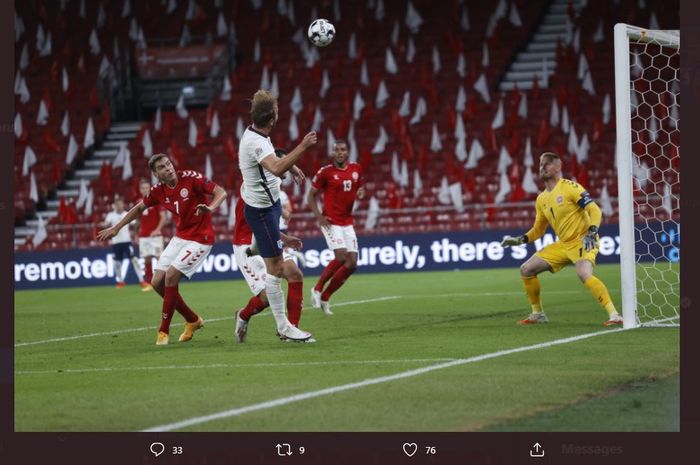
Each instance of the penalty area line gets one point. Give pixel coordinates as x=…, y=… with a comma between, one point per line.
x=367, y=382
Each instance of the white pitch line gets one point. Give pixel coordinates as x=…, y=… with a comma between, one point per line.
x=368, y=382
x=226, y=365
x=148, y=328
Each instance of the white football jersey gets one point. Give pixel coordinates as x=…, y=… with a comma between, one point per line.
x=123, y=235
x=260, y=187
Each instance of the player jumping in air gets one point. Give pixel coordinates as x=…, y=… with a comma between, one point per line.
x=575, y=218
x=253, y=269
x=184, y=194
x=261, y=171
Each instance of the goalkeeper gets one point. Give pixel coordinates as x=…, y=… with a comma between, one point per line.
x=575, y=218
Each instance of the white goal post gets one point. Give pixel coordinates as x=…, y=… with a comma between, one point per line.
x=647, y=105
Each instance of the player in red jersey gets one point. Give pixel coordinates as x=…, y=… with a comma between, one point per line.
x=184, y=194
x=150, y=233
x=253, y=269
x=341, y=183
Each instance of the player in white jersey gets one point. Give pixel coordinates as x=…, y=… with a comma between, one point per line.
x=121, y=246
x=261, y=171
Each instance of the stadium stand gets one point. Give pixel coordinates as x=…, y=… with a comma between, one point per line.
x=428, y=175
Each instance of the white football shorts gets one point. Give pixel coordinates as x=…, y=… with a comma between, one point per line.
x=150, y=246
x=185, y=256
x=340, y=237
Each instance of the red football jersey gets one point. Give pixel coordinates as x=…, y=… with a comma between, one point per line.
x=149, y=221
x=339, y=187
x=191, y=189
x=242, y=234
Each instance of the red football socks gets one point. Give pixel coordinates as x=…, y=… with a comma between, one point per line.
x=294, y=301
x=327, y=274
x=169, y=301
x=255, y=305
x=187, y=313
x=339, y=278
x=148, y=272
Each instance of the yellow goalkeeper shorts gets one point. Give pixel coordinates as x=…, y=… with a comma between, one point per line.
x=559, y=255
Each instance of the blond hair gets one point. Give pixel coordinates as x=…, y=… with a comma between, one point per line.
x=262, y=108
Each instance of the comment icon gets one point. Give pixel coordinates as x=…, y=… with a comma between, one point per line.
x=157, y=448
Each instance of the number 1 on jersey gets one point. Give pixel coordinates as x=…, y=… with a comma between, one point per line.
x=177, y=207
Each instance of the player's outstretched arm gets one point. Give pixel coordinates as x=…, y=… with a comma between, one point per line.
x=279, y=166
x=134, y=213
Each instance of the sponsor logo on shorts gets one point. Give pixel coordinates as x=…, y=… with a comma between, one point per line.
x=280, y=244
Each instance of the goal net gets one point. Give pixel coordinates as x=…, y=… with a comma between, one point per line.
x=647, y=105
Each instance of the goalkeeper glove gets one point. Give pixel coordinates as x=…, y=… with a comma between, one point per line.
x=513, y=240
x=590, y=240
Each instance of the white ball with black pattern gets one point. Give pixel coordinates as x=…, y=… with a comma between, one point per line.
x=321, y=32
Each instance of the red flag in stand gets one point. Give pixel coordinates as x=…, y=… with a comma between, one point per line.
x=57, y=172
x=451, y=119
x=347, y=101
x=94, y=98
x=582, y=175
x=81, y=64
x=67, y=50
x=471, y=109
x=597, y=129
x=514, y=146
x=493, y=143
x=209, y=116
x=535, y=87
x=106, y=115
x=230, y=148
x=469, y=181
x=343, y=126
x=62, y=209
x=167, y=124
x=48, y=101
x=491, y=210
x=559, y=51
x=365, y=159
x=543, y=134
x=422, y=157
x=106, y=179
x=50, y=141
x=176, y=156
x=408, y=152
x=55, y=72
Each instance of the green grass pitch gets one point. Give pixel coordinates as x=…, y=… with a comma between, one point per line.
x=86, y=360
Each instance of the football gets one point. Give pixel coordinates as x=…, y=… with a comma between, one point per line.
x=321, y=32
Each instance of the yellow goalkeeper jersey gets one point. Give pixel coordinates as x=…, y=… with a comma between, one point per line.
x=568, y=208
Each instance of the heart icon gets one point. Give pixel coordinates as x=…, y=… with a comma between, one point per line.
x=410, y=448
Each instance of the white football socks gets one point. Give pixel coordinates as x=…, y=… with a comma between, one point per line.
x=137, y=268
x=273, y=288
x=118, y=270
